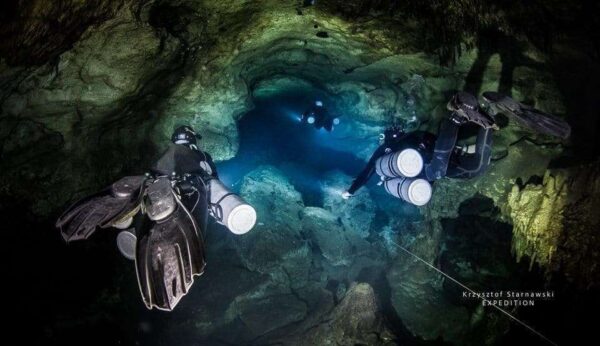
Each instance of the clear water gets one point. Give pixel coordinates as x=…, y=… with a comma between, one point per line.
x=272, y=134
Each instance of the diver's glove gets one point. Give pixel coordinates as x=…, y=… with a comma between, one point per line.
x=346, y=195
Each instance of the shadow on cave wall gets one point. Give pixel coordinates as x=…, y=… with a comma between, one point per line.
x=511, y=55
x=62, y=300
x=35, y=32
x=376, y=278
x=479, y=238
x=477, y=251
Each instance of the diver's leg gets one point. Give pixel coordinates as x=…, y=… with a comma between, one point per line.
x=444, y=146
x=472, y=165
x=329, y=125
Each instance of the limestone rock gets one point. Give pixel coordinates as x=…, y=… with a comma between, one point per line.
x=356, y=213
x=276, y=242
x=417, y=294
x=556, y=222
x=42, y=30
x=357, y=320
x=329, y=235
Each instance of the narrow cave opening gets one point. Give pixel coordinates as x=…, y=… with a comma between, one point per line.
x=272, y=134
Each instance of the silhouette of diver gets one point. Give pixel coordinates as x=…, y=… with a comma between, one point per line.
x=409, y=162
x=318, y=116
x=169, y=207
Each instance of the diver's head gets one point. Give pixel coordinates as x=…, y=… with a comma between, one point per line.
x=392, y=134
x=185, y=135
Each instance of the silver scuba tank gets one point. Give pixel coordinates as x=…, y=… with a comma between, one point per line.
x=414, y=191
x=404, y=163
x=230, y=209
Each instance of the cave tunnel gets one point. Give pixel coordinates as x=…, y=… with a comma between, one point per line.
x=272, y=133
x=90, y=92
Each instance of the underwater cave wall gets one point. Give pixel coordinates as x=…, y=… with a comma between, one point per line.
x=556, y=222
x=101, y=103
x=116, y=102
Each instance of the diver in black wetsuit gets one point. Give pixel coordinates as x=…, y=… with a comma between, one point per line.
x=319, y=117
x=170, y=205
x=184, y=157
x=193, y=167
x=393, y=139
x=440, y=155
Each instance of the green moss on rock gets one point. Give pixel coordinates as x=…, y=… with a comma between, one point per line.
x=556, y=222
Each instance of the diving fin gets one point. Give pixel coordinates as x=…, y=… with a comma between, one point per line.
x=527, y=116
x=113, y=206
x=465, y=108
x=168, y=256
x=170, y=252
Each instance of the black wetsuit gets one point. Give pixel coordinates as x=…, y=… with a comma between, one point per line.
x=460, y=165
x=322, y=118
x=182, y=159
x=194, y=168
x=443, y=160
x=419, y=140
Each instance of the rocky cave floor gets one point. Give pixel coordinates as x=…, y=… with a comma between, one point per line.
x=79, y=110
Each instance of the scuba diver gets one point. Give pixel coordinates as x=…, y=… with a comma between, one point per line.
x=409, y=162
x=319, y=117
x=169, y=207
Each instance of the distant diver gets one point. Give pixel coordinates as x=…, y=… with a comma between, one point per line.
x=169, y=207
x=319, y=117
x=409, y=162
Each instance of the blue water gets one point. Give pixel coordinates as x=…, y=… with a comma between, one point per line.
x=272, y=134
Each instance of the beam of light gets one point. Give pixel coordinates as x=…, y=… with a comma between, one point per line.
x=292, y=115
x=512, y=317
x=333, y=190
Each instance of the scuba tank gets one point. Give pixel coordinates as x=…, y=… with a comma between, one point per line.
x=414, y=191
x=398, y=171
x=405, y=163
x=229, y=209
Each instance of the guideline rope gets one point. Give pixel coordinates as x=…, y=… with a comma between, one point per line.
x=476, y=294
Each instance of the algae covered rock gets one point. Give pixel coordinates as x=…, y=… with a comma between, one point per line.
x=356, y=213
x=556, y=222
x=417, y=294
x=276, y=241
x=356, y=320
x=329, y=235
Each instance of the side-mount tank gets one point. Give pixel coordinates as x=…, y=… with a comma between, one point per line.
x=229, y=209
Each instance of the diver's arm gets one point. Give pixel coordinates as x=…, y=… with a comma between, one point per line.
x=367, y=172
x=212, y=165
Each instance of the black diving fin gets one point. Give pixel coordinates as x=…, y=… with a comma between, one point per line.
x=465, y=108
x=170, y=250
x=114, y=206
x=527, y=116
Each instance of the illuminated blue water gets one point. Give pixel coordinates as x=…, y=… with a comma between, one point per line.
x=272, y=134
